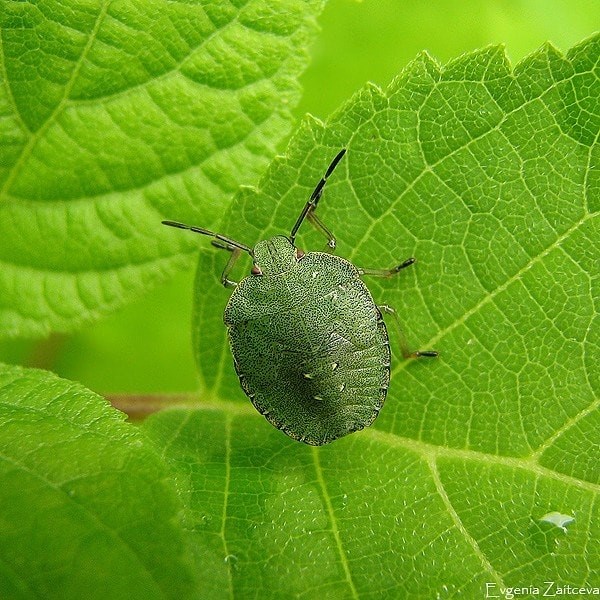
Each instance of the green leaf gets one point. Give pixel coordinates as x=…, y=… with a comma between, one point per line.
x=374, y=515
x=117, y=114
x=86, y=507
x=489, y=176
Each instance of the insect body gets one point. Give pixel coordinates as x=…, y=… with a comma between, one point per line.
x=309, y=343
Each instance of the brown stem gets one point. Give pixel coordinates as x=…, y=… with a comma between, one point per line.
x=139, y=406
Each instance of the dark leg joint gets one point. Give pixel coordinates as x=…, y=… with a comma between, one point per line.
x=423, y=354
x=388, y=272
x=409, y=261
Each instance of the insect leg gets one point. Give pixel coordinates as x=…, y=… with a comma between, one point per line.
x=235, y=254
x=319, y=225
x=406, y=353
x=388, y=272
x=221, y=242
x=310, y=207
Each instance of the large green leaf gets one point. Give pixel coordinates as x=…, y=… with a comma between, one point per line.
x=483, y=466
x=86, y=508
x=482, y=469
x=115, y=114
x=375, y=515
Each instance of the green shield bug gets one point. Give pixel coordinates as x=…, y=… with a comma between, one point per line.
x=309, y=344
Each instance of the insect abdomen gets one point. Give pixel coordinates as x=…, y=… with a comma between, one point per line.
x=320, y=370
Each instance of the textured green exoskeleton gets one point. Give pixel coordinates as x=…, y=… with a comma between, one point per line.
x=309, y=343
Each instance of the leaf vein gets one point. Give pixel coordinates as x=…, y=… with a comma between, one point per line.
x=28, y=148
x=333, y=521
x=460, y=526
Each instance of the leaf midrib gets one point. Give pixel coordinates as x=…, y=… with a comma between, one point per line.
x=425, y=449
x=321, y=480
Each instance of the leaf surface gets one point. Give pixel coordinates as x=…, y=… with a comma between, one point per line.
x=87, y=509
x=487, y=174
x=115, y=115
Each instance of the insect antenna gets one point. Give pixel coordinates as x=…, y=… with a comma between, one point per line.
x=209, y=233
x=311, y=205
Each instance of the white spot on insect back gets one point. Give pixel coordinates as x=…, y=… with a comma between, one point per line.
x=315, y=274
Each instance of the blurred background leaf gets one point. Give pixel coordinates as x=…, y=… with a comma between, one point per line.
x=117, y=115
x=88, y=509
x=373, y=40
